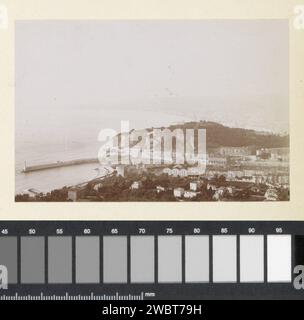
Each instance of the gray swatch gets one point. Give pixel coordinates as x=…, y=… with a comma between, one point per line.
x=8, y=257
x=169, y=259
x=87, y=259
x=142, y=259
x=115, y=260
x=197, y=258
x=279, y=258
x=252, y=258
x=60, y=259
x=32, y=260
x=224, y=259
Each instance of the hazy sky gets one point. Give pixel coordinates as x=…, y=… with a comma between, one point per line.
x=235, y=72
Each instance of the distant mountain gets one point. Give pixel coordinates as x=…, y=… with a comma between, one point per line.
x=220, y=135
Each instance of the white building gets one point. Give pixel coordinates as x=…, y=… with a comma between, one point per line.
x=230, y=190
x=283, y=179
x=190, y=194
x=178, y=192
x=183, y=172
x=76, y=193
x=97, y=186
x=160, y=189
x=196, y=171
x=211, y=186
x=219, y=193
x=271, y=194
x=234, y=151
x=281, y=154
x=250, y=158
x=217, y=161
x=136, y=185
x=175, y=172
x=195, y=185
x=232, y=174
x=167, y=171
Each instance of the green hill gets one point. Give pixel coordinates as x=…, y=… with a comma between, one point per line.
x=220, y=135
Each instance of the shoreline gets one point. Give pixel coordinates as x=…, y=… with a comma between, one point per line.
x=58, y=177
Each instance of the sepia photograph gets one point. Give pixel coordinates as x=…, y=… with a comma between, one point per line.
x=152, y=110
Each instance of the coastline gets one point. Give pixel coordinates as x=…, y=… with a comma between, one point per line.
x=57, y=177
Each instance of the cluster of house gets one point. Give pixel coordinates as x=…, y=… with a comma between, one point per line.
x=275, y=154
x=179, y=171
x=177, y=192
x=281, y=154
x=219, y=191
x=271, y=194
x=136, y=185
x=254, y=176
x=272, y=179
x=188, y=194
x=262, y=156
x=263, y=165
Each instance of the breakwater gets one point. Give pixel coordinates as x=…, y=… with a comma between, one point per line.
x=58, y=164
